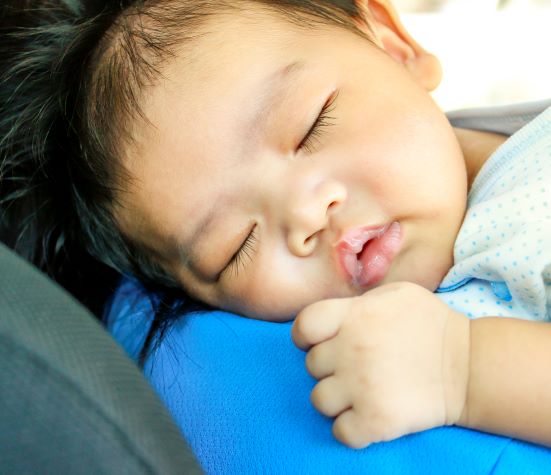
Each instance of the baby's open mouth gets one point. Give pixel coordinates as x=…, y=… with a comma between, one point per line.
x=366, y=253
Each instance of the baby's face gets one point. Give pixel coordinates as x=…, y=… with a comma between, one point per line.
x=254, y=212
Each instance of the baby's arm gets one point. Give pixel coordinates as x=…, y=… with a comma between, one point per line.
x=397, y=360
x=509, y=389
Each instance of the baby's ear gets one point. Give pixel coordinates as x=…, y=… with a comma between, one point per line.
x=382, y=23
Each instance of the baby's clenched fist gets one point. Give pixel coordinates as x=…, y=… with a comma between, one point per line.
x=390, y=362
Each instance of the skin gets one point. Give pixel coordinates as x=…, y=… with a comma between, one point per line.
x=389, y=155
x=393, y=359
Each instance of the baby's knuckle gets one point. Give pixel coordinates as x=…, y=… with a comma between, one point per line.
x=303, y=325
x=412, y=289
x=401, y=286
x=348, y=434
x=360, y=349
x=383, y=433
x=320, y=397
x=384, y=425
x=311, y=361
x=308, y=315
x=341, y=431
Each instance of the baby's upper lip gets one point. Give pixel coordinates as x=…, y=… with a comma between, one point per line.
x=352, y=242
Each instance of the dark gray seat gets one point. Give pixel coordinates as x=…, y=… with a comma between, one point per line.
x=71, y=401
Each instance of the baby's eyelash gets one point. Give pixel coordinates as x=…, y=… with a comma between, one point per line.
x=243, y=254
x=316, y=130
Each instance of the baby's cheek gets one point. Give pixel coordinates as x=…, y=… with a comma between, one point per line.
x=268, y=298
x=279, y=296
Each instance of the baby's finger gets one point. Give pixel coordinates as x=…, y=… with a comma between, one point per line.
x=330, y=397
x=321, y=359
x=319, y=322
x=347, y=430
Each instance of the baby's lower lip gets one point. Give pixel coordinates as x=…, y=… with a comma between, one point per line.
x=368, y=267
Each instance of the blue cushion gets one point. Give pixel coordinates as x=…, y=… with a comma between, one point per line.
x=239, y=391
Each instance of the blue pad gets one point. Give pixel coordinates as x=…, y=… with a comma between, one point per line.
x=239, y=391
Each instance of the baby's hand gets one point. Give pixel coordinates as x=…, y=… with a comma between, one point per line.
x=391, y=362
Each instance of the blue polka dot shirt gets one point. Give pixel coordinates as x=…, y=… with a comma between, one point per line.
x=502, y=254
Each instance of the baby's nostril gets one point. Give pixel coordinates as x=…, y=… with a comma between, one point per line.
x=310, y=241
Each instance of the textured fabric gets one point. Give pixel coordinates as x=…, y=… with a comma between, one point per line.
x=505, y=119
x=502, y=257
x=240, y=391
x=71, y=401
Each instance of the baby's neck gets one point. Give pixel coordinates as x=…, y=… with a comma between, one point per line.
x=477, y=147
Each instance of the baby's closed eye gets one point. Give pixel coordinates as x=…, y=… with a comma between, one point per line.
x=323, y=120
x=243, y=254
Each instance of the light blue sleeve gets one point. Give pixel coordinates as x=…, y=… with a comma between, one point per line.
x=239, y=391
x=502, y=248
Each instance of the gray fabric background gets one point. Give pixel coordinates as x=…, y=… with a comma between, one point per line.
x=70, y=399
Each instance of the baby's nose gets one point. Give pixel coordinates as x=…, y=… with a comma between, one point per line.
x=309, y=214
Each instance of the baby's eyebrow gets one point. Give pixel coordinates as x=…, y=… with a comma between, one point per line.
x=275, y=86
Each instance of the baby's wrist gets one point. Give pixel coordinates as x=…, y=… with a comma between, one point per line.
x=456, y=368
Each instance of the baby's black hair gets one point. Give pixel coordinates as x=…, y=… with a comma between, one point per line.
x=71, y=77
x=43, y=179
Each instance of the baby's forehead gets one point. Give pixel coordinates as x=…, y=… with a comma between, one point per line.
x=178, y=126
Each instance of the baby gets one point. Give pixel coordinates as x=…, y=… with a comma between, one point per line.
x=282, y=158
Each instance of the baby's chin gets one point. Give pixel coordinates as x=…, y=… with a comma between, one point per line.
x=430, y=279
x=264, y=311
x=269, y=316
x=283, y=311
x=426, y=268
